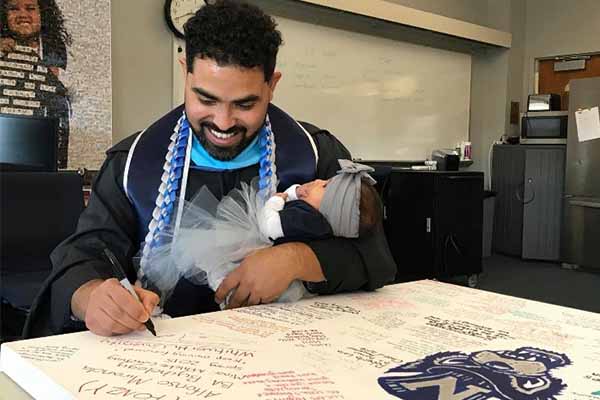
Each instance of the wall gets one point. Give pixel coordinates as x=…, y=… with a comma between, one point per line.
x=488, y=99
x=141, y=65
x=515, y=61
x=474, y=11
x=558, y=27
x=490, y=13
x=490, y=89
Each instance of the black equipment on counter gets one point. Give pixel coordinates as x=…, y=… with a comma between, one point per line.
x=446, y=159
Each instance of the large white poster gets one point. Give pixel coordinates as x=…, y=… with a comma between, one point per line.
x=416, y=341
x=55, y=62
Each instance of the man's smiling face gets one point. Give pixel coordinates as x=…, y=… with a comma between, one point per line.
x=226, y=105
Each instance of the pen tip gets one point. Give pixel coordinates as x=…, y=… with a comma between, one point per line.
x=150, y=327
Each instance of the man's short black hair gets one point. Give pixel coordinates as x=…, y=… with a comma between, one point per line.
x=233, y=33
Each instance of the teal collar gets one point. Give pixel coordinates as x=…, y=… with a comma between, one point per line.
x=202, y=160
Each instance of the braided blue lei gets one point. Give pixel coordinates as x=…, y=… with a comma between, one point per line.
x=174, y=177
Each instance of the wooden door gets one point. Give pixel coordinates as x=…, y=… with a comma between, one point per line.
x=551, y=81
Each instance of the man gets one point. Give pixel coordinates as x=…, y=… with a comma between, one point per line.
x=229, y=133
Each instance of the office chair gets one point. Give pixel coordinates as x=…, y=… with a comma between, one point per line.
x=38, y=210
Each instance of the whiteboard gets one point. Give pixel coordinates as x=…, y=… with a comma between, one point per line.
x=384, y=99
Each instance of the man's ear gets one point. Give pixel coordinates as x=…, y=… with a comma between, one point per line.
x=183, y=65
x=273, y=83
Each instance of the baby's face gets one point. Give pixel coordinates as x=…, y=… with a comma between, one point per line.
x=312, y=192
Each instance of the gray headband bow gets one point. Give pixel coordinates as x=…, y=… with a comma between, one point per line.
x=340, y=203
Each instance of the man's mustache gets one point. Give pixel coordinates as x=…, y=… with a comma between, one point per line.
x=233, y=130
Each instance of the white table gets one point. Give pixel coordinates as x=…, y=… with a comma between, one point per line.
x=402, y=341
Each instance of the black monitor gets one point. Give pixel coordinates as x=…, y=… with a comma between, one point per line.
x=28, y=144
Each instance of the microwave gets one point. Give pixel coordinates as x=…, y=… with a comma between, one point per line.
x=544, y=127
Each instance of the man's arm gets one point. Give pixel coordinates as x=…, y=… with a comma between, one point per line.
x=265, y=274
x=108, y=221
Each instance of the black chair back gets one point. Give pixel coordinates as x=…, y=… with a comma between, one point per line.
x=38, y=210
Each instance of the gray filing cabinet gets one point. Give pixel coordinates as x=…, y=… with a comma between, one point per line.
x=529, y=181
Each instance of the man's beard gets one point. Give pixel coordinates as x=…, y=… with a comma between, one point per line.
x=223, y=153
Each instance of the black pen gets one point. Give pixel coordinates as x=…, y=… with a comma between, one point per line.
x=120, y=275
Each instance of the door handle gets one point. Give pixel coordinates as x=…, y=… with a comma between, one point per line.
x=521, y=187
x=530, y=182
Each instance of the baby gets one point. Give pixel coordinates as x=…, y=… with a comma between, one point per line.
x=346, y=205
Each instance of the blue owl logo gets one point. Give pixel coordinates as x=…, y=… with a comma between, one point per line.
x=521, y=374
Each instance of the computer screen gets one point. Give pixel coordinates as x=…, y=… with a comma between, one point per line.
x=28, y=144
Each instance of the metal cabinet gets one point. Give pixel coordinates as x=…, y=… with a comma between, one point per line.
x=529, y=181
x=434, y=223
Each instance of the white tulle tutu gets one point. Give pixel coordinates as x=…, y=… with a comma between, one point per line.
x=212, y=240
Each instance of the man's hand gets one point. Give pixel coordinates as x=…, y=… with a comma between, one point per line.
x=109, y=309
x=265, y=274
